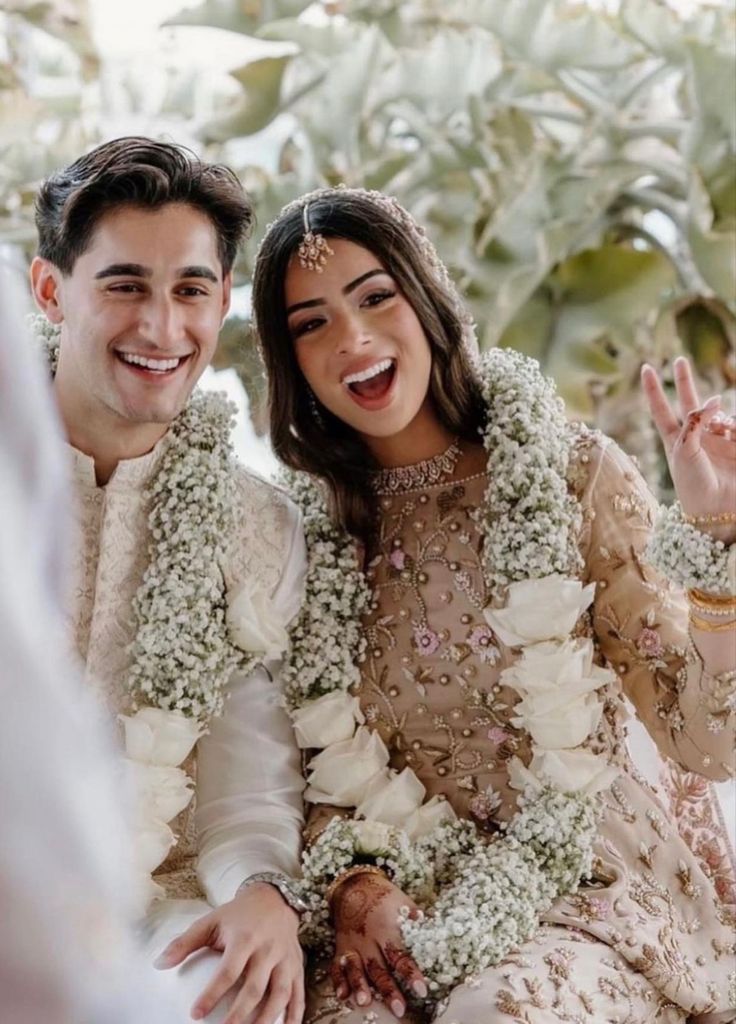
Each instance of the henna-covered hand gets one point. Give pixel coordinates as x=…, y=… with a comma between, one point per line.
x=370, y=955
x=700, y=445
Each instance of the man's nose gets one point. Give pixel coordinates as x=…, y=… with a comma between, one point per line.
x=161, y=321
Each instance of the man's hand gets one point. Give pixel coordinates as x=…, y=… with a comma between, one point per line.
x=369, y=948
x=257, y=935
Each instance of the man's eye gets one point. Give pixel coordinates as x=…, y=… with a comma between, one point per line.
x=125, y=289
x=192, y=290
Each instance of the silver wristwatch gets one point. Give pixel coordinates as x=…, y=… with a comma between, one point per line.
x=288, y=888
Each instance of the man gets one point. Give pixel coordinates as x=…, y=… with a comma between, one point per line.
x=190, y=567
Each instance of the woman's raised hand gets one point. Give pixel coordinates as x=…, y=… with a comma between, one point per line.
x=369, y=948
x=700, y=446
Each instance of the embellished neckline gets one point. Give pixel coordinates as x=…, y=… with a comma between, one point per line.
x=428, y=473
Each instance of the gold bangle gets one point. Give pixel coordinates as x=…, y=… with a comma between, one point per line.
x=712, y=627
x=721, y=600
x=713, y=604
x=708, y=520
x=356, y=869
x=721, y=611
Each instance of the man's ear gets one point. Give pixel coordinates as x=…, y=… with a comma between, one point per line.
x=227, y=288
x=45, y=284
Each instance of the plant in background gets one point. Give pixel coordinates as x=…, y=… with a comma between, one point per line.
x=48, y=67
x=575, y=168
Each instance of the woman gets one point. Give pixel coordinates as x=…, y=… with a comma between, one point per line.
x=486, y=526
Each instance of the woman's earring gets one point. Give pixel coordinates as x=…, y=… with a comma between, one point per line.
x=315, y=410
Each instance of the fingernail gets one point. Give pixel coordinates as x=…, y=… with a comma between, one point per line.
x=713, y=400
x=161, y=961
x=197, y=1014
x=362, y=998
x=420, y=989
x=397, y=1008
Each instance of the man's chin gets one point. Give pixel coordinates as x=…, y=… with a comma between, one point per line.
x=159, y=412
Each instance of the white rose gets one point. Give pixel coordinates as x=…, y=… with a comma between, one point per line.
x=253, y=624
x=329, y=719
x=570, y=771
x=392, y=800
x=556, y=726
x=564, y=670
x=372, y=838
x=161, y=792
x=559, y=707
x=151, y=845
x=435, y=812
x=156, y=736
x=340, y=775
x=536, y=610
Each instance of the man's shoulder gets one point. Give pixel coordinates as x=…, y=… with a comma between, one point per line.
x=253, y=489
x=265, y=522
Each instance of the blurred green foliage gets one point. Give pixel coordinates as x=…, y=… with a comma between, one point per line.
x=575, y=168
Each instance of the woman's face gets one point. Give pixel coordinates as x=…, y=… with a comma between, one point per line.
x=357, y=341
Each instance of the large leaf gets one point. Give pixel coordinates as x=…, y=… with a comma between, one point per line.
x=549, y=35
x=261, y=81
x=601, y=297
x=243, y=16
x=428, y=76
x=714, y=251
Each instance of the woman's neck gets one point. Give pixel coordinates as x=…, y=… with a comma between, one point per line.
x=421, y=439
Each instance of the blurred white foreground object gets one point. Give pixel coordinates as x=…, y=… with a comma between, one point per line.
x=66, y=948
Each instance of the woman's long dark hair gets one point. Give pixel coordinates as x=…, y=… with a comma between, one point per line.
x=317, y=441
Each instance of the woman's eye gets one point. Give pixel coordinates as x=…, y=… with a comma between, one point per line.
x=306, y=327
x=376, y=298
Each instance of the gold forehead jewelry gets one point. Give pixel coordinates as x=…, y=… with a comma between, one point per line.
x=313, y=249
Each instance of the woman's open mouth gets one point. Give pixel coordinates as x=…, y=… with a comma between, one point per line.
x=371, y=388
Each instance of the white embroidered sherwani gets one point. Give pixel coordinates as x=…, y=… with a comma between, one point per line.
x=246, y=815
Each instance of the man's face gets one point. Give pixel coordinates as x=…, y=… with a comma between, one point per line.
x=140, y=313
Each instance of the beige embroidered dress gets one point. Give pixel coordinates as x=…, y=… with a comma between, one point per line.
x=246, y=815
x=648, y=939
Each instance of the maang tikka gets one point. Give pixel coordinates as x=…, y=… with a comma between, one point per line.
x=313, y=249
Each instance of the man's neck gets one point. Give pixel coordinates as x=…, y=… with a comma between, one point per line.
x=107, y=439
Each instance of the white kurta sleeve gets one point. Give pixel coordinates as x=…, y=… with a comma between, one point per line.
x=249, y=780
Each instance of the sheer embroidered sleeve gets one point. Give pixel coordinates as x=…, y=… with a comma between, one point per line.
x=641, y=622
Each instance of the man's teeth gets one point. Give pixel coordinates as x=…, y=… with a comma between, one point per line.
x=162, y=365
x=373, y=371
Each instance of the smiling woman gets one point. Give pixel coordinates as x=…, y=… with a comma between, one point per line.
x=478, y=566
x=372, y=304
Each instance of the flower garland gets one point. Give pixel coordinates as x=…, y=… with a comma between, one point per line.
x=187, y=640
x=689, y=556
x=486, y=897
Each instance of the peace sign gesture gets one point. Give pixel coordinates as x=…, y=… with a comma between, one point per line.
x=700, y=448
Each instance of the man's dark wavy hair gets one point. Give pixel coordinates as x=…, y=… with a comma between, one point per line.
x=139, y=172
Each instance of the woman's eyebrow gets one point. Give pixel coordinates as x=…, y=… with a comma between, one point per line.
x=311, y=303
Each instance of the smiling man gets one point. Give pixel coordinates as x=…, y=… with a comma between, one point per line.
x=189, y=570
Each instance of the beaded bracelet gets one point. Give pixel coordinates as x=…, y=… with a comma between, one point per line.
x=711, y=520
x=713, y=604
x=712, y=627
